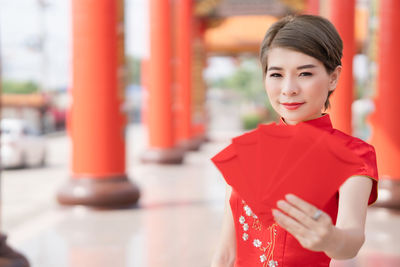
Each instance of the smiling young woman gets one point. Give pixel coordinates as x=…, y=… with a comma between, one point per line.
x=301, y=64
x=298, y=85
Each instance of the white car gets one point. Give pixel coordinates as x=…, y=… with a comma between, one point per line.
x=21, y=146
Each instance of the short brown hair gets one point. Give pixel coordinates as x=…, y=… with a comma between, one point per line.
x=312, y=35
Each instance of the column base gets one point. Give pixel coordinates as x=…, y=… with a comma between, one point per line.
x=192, y=144
x=163, y=156
x=9, y=257
x=206, y=139
x=388, y=194
x=110, y=192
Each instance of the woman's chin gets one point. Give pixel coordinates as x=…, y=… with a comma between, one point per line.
x=292, y=117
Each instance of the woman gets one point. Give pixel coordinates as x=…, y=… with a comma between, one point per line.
x=301, y=63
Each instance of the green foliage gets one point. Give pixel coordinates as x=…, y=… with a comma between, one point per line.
x=247, y=80
x=251, y=120
x=134, y=70
x=18, y=87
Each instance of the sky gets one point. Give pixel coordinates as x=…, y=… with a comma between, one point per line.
x=22, y=23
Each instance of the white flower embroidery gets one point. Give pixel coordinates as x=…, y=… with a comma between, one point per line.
x=245, y=237
x=245, y=227
x=257, y=243
x=255, y=216
x=263, y=258
x=242, y=220
x=247, y=210
x=272, y=263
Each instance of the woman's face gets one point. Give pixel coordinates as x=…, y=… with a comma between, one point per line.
x=298, y=84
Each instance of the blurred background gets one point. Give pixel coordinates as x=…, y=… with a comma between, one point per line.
x=112, y=109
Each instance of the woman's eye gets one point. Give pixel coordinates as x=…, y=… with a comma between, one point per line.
x=305, y=74
x=275, y=75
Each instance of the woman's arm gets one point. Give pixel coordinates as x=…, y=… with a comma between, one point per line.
x=226, y=249
x=342, y=241
x=348, y=235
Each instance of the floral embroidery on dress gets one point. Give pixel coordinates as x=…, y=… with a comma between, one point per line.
x=245, y=236
x=272, y=263
x=257, y=243
x=267, y=249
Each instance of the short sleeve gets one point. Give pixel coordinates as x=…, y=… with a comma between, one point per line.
x=367, y=153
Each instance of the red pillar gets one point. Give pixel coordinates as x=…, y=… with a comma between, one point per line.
x=97, y=122
x=342, y=16
x=385, y=121
x=199, y=113
x=312, y=7
x=183, y=74
x=159, y=113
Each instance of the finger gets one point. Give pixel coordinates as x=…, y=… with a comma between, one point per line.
x=309, y=210
x=306, y=207
x=297, y=214
x=301, y=204
x=307, y=238
x=290, y=225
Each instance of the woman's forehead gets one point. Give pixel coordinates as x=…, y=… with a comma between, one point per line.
x=280, y=57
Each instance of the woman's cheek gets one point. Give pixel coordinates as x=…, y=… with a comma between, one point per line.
x=273, y=97
x=273, y=93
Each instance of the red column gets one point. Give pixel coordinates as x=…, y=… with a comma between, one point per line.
x=385, y=121
x=342, y=16
x=312, y=7
x=183, y=74
x=97, y=122
x=159, y=114
x=199, y=112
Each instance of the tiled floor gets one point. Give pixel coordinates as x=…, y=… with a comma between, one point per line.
x=176, y=222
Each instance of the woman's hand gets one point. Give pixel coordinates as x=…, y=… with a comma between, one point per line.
x=297, y=219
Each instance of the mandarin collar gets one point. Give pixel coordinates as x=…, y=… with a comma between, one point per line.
x=323, y=122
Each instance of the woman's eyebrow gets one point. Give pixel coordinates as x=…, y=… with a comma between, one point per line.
x=274, y=68
x=308, y=66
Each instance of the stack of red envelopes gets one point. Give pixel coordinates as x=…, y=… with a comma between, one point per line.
x=264, y=165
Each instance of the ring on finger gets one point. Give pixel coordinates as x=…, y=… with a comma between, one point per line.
x=317, y=215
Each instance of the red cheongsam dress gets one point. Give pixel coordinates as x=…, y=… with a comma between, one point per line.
x=270, y=245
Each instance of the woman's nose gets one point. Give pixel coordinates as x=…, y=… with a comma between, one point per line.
x=290, y=87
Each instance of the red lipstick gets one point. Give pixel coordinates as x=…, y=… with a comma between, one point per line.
x=292, y=106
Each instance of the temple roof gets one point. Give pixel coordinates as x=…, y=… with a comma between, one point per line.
x=227, y=8
x=238, y=34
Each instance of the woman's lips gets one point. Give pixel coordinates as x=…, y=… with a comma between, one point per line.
x=292, y=106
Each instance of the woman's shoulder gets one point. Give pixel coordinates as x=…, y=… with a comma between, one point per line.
x=356, y=144
x=367, y=153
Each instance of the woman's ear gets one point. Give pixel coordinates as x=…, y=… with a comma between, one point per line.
x=334, y=78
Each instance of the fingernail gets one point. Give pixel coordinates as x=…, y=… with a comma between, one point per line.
x=290, y=197
x=275, y=212
x=280, y=203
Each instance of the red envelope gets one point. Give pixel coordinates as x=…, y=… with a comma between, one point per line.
x=325, y=158
x=266, y=164
x=303, y=138
x=257, y=170
x=274, y=142
x=228, y=164
x=245, y=147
